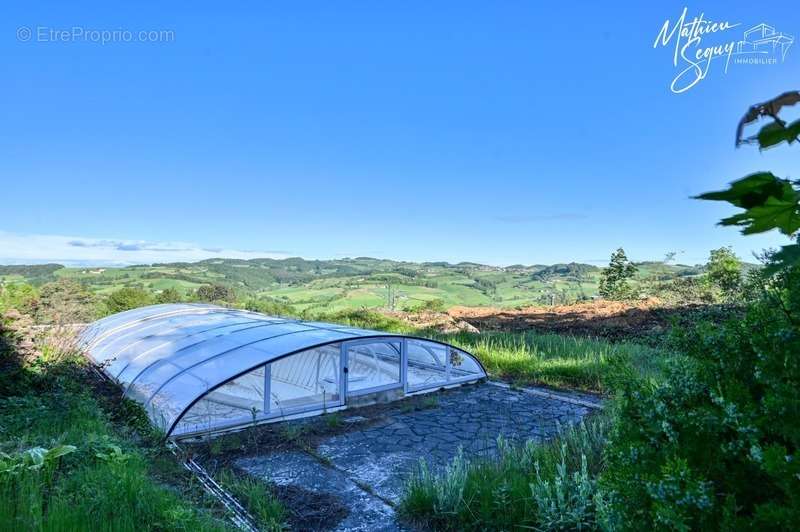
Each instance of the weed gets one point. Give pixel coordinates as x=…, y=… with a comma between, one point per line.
x=546, y=486
x=257, y=497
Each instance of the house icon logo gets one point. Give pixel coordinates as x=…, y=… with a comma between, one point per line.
x=763, y=45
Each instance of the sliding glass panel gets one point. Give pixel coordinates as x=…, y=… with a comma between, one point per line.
x=427, y=364
x=237, y=401
x=463, y=366
x=373, y=365
x=310, y=379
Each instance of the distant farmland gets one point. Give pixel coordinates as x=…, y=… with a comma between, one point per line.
x=354, y=283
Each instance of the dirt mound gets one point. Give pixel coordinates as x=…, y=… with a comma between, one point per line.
x=609, y=319
x=438, y=321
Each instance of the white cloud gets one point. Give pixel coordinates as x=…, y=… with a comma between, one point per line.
x=70, y=250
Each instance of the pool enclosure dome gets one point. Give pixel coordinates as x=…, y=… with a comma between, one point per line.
x=199, y=368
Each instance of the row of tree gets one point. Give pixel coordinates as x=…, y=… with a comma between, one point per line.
x=723, y=274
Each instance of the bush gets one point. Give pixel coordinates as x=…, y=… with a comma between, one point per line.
x=19, y=296
x=128, y=298
x=64, y=301
x=270, y=306
x=431, y=305
x=715, y=445
x=213, y=293
x=170, y=295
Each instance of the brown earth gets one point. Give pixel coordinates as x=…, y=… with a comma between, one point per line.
x=613, y=320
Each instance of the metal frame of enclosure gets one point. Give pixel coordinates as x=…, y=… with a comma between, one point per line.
x=199, y=369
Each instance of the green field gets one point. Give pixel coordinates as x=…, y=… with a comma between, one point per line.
x=310, y=285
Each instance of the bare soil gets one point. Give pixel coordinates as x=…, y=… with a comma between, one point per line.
x=646, y=319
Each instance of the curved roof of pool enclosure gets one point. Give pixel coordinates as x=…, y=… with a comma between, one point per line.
x=202, y=368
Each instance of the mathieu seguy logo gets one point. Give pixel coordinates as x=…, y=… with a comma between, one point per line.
x=700, y=42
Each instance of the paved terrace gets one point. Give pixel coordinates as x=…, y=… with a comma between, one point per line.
x=364, y=465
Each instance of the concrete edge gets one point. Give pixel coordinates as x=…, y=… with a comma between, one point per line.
x=543, y=392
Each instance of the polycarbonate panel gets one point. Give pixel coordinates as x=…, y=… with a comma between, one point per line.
x=163, y=351
x=98, y=337
x=304, y=380
x=182, y=389
x=463, y=366
x=118, y=349
x=166, y=369
x=427, y=364
x=128, y=317
x=373, y=365
x=241, y=399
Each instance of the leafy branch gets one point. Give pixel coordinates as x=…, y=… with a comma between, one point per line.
x=769, y=202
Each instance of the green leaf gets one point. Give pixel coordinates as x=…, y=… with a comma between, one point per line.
x=774, y=214
x=771, y=134
x=57, y=452
x=793, y=130
x=787, y=257
x=33, y=458
x=752, y=190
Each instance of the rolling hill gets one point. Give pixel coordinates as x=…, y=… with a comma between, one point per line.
x=353, y=283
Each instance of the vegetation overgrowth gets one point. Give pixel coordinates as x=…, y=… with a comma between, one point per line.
x=74, y=456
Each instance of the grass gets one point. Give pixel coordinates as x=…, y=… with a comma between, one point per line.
x=105, y=484
x=257, y=497
x=530, y=358
x=547, y=486
x=554, y=360
x=115, y=473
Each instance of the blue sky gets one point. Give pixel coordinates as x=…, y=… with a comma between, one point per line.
x=496, y=132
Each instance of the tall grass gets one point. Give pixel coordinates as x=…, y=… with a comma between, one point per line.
x=112, y=478
x=541, y=486
x=105, y=484
x=534, y=358
x=555, y=360
x=258, y=498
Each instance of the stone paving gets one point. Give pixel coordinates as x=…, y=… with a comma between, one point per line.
x=366, y=465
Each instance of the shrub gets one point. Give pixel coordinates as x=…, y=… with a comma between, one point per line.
x=212, y=293
x=128, y=298
x=19, y=296
x=269, y=305
x=169, y=295
x=543, y=486
x=64, y=301
x=716, y=443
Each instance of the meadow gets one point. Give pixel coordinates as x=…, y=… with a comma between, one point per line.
x=316, y=286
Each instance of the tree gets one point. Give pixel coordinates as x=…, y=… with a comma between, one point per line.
x=128, y=298
x=614, y=279
x=64, y=301
x=724, y=270
x=216, y=292
x=19, y=296
x=169, y=295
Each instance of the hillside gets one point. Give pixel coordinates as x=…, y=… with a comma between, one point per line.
x=353, y=283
